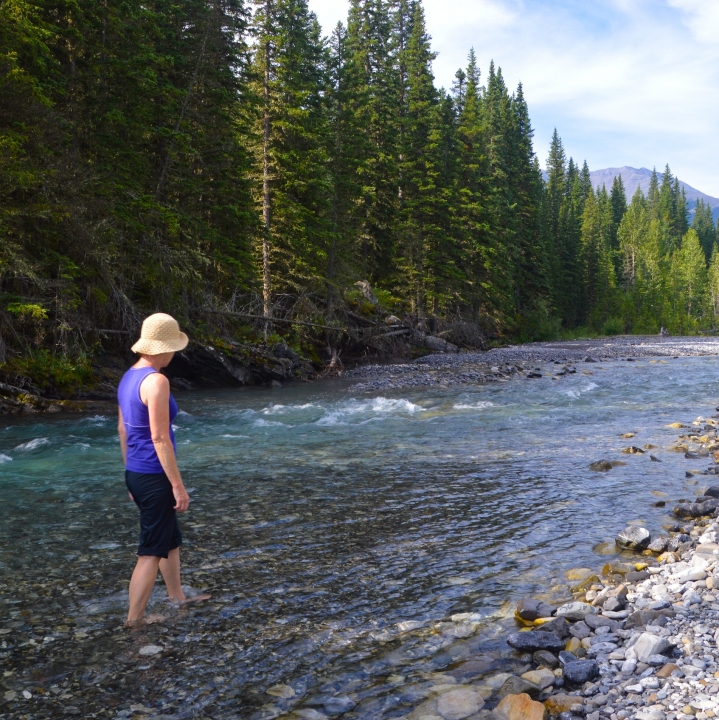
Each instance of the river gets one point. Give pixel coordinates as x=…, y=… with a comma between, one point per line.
x=339, y=533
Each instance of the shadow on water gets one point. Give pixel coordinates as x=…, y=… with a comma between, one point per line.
x=354, y=545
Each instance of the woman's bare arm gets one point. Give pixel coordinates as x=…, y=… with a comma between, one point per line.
x=122, y=432
x=155, y=393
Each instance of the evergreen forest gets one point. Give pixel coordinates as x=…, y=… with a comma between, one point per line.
x=211, y=157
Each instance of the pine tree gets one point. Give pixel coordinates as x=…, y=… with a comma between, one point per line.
x=292, y=154
x=619, y=207
x=369, y=46
x=596, y=260
x=690, y=283
x=703, y=224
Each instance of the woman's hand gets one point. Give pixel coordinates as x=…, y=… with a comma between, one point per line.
x=182, y=499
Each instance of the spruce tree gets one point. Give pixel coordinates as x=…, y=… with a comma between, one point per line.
x=703, y=224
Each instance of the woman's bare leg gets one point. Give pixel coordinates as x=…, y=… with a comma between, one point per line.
x=170, y=569
x=141, y=584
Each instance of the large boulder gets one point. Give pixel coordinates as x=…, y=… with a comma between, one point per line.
x=536, y=640
x=520, y=707
x=634, y=538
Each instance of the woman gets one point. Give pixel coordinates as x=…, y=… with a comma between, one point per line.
x=146, y=412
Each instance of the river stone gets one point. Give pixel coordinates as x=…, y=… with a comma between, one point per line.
x=561, y=702
x=667, y=670
x=579, y=574
x=712, y=491
x=575, y=610
x=657, y=545
x=514, y=685
x=595, y=621
x=545, y=658
x=471, y=670
x=531, y=609
x=566, y=657
x=150, y=650
x=580, y=671
x=646, y=617
x=634, y=538
x=535, y=640
x=542, y=678
x=558, y=626
x=520, y=707
x=281, y=691
x=459, y=704
x=338, y=705
x=580, y=630
x=601, y=648
x=613, y=604
x=649, y=644
x=601, y=466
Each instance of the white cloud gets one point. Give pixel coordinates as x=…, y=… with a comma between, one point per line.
x=701, y=16
x=626, y=82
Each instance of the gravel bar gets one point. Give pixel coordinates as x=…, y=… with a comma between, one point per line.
x=529, y=360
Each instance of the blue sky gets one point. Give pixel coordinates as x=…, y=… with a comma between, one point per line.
x=626, y=82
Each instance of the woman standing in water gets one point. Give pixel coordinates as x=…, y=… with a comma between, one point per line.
x=146, y=412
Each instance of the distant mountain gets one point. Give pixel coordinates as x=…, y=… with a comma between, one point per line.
x=633, y=178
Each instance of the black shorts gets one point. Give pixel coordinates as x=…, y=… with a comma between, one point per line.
x=159, y=530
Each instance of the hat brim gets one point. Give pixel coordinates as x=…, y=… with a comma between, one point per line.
x=157, y=347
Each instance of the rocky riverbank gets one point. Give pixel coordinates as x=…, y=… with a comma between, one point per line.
x=638, y=641
x=199, y=366
x=532, y=361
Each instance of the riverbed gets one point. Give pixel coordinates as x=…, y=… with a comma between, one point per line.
x=357, y=545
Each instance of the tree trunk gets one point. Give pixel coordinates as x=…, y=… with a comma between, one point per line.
x=266, y=196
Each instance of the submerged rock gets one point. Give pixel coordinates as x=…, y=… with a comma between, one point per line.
x=542, y=678
x=545, y=658
x=516, y=686
x=459, y=704
x=601, y=466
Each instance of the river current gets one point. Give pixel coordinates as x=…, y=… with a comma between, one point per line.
x=356, y=546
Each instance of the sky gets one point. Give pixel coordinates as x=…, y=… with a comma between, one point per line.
x=625, y=82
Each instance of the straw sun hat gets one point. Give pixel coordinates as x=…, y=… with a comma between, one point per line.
x=160, y=334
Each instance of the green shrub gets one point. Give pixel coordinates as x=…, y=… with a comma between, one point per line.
x=613, y=326
x=47, y=371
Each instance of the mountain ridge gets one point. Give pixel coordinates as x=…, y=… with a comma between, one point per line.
x=640, y=177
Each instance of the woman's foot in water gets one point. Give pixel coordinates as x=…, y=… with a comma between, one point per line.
x=144, y=621
x=181, y=602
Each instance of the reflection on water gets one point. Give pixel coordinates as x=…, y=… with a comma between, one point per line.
x=354, y=545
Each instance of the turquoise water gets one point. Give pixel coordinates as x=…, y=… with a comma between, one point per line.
x=337, y=532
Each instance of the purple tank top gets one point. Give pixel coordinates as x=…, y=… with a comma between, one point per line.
x=141, y=453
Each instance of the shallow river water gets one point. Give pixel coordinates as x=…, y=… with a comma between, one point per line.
x=338, y=533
